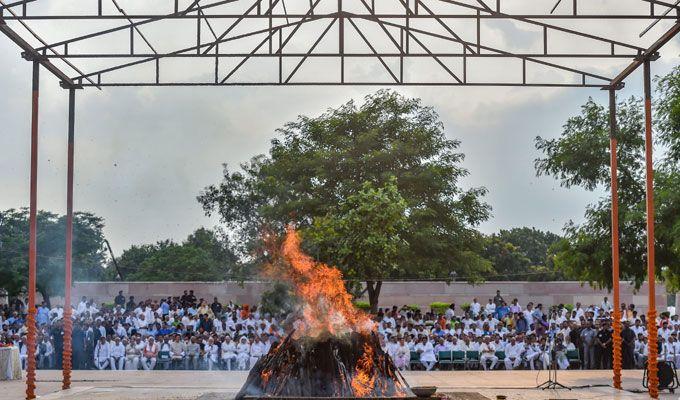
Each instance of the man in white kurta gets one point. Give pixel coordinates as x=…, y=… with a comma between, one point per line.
x=117, y=354
x=513, y=355
x=102, y=354
x=228, y=352
x=426, y=352
x=488, y=353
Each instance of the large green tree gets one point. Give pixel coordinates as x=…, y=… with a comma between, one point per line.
x=88, y=254
x=204, y=256
x=318, y=163
x=580, y=157
x=363, y=235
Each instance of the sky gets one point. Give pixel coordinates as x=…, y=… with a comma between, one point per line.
x=144, y=154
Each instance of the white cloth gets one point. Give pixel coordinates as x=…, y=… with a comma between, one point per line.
x=10, y=364
x=426, y=352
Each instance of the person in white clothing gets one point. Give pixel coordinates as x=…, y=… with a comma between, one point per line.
x=102, y=354
x=426, y=351
x=228, y=352
x=243, y=353
x=211, y=351
x=533, y=353
x=117, y=353
x=513, y=355
x=45, y=353
x=150, y=354
x=402, y=355
x=562, y=346
x=133, y=353
x=488, y=352
x=475, y=307
x=257, y=350
x=490, y=308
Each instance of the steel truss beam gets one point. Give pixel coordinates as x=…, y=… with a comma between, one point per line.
x=399, y=30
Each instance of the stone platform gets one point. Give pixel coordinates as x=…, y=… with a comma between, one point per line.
x=214, y=385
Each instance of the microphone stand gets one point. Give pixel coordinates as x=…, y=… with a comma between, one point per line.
x=552, y=382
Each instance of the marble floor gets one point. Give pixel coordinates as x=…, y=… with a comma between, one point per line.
x=213, y=385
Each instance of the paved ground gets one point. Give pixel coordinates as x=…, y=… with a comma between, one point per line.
x=214, y=385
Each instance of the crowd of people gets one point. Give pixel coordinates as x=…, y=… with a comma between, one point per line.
x=188, y=333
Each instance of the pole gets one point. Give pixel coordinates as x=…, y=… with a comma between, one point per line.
x=615, y=239
x=651, y=312
x=32, y=238
x=68, y=322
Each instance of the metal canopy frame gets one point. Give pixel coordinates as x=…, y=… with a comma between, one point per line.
x=394, y=35
x=264, y=30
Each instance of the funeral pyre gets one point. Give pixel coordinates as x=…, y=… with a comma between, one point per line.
x=331, y=350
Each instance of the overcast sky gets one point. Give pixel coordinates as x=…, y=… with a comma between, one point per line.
x=143, y=154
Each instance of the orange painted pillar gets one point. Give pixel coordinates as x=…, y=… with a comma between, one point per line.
x=649, y=173
x=32, y=237
x=68, y=322
x=615, y=240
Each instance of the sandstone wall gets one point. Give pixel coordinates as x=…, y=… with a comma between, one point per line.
x=393, y=293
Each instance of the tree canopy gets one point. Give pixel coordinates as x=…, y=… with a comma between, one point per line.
x=521, y=253
x=363, y=236
x=203, y=256
x=580, y=157
x=318, y=163
x=88, y=254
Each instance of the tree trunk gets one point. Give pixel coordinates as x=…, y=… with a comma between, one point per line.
x=373, y=289
x=44, y=294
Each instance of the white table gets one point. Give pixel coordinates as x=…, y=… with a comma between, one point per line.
x=10, y=365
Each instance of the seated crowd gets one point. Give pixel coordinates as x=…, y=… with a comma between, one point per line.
x=189, y=333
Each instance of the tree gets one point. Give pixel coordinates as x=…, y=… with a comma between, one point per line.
x=532, y=242
x=521, y=253
x=176, y=262
x=318, y=163
x=88, y=254
x=363, y=236
x=580, y=157
x=204, y=256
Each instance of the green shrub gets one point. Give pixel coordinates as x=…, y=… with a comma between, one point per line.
x=363, y=305
x=438, y=307
x=465, y=307
x=413, y=307
x=569, y=307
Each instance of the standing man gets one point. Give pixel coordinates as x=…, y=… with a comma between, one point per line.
x=628, y=346
x=588, y=345
x=78, y=344
x=120, y=299
x=604, y=340
x=498, y=299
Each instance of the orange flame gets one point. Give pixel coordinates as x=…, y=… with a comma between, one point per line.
x=326, y=305
x=364, y=380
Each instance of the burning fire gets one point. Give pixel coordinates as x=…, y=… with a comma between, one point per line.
x=326, y=306
x=364, y=380
x=343, y=357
